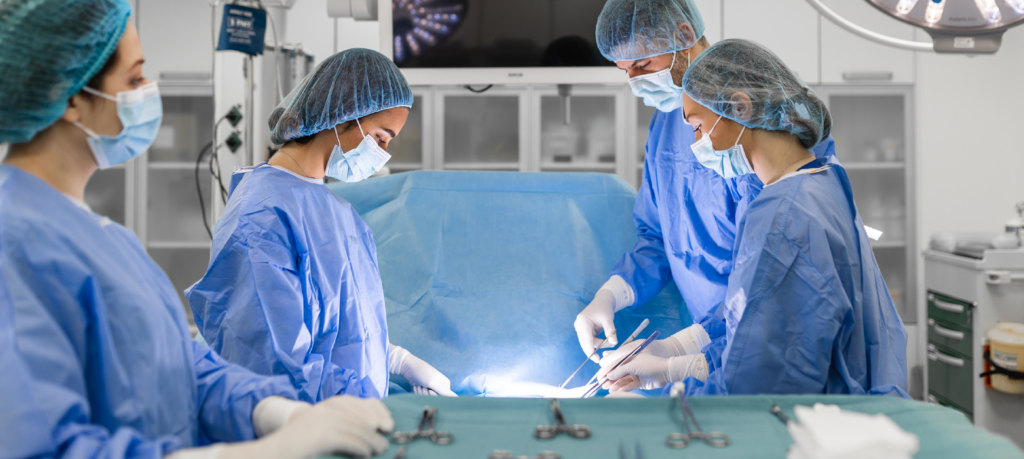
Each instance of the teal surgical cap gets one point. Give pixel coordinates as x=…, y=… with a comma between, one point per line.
x=51, y=49
x=346, y=86
x=628, y=30
x=779, y=100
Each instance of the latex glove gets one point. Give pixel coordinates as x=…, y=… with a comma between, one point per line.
x=649, y=372
x=599, y=316
x=689, y=341
x=425, y=379
x=274, y=412
x=338, y=425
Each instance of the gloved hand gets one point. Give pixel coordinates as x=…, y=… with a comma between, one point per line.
x=688, y=341
x=425, y=379
x=599, y=315
x=338, y=425
x=649, y=372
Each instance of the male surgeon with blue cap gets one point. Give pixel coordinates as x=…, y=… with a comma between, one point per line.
x=95, y=349
x=686, y=213
x=293, y=286
x=806, y=310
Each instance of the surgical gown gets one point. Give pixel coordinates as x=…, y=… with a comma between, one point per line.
x=293, y=287
x=96, y=354
x=686, y=215
x=806, y=310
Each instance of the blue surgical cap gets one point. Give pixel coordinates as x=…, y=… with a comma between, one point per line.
x=637, y=29
x=780, y=101
x=51, y=49
x=349, y=85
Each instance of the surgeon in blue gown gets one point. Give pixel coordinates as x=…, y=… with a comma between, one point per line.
x=806, y=310
x=293, y=286
x=686, y=214
x=95, y=349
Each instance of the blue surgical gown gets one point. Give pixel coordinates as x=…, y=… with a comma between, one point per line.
x=686, y=215
x=95, y=349
x=806, y=310
x=293, y=287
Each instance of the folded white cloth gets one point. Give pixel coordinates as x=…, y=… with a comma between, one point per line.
x=827, y=432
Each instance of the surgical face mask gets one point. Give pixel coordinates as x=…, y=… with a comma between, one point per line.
x=728, y=163
x=140, y=112
x=360, y=162
x=658, y=90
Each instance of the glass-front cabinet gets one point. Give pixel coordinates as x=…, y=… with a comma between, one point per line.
x=155, y=194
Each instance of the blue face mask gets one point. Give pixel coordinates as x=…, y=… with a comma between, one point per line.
x=140, y=112
x=728, y=163
x=658, y=90
x=359, y=163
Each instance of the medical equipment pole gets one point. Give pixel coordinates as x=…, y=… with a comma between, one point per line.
x=249, y=99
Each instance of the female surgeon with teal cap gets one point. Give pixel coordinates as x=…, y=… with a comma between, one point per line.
x=806, y=310
x=293, y=286
x=96, y=352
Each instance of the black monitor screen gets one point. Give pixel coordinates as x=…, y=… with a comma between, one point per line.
x=496, y=33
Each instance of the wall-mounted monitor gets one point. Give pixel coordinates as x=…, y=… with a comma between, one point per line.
x=445, y=42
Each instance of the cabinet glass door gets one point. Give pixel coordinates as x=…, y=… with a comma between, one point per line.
x=406, y=150
x=481, y=132
x=107, y=194
x=870, y=131
x=587, y=143
x=644, y=114
x=174, y=232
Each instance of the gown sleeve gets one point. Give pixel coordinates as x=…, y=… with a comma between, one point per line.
x=646, y=268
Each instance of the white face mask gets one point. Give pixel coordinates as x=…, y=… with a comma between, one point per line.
x=728, y=163
x=658, y=89
x=360, y=162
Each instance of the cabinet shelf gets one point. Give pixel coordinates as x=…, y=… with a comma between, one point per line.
x=481, y=166
x=579, y=167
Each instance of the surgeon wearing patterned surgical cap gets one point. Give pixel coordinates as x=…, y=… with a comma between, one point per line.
x=97, y=356
x=806, y=310
x=293, y=286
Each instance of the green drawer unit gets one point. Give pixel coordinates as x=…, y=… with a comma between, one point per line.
x=950, y=377
x=938, y=400
x=950, y=310
x=950, y=336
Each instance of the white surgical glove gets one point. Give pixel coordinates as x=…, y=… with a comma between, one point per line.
x=688, y=341
x=425, y=379
x=649, y=372
x=338, y=425
x=599, y=316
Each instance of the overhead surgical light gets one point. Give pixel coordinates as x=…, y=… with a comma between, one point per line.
x=956, y=26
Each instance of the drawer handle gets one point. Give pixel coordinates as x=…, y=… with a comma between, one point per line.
x=949, y=307
x=945, y=332
x=940, y=357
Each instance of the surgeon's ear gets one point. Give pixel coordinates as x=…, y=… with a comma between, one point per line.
x=73, y=112
x=742, y=107
x=687, y=36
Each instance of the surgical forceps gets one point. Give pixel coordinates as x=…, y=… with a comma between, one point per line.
x=682, y=440
x=560, y=426
x=593, y=389
x=425, y=430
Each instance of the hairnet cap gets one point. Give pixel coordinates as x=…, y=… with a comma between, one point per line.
x=51, y=49
x=779, y=100
x=628, y=30
x=346, y=86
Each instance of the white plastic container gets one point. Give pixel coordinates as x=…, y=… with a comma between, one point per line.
x=1007, y=351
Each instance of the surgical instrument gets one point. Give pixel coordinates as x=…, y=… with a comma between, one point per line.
x=425, y=430
x=632, y=337
x=401, y=453
x=585, y=361
x=560, y=426
x=650, y=339
x=779, y=414
x=682, y=440
x=622, y=451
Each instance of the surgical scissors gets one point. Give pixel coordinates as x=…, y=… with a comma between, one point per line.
x=560, y=426
x=682, y=440
x=425, y=430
